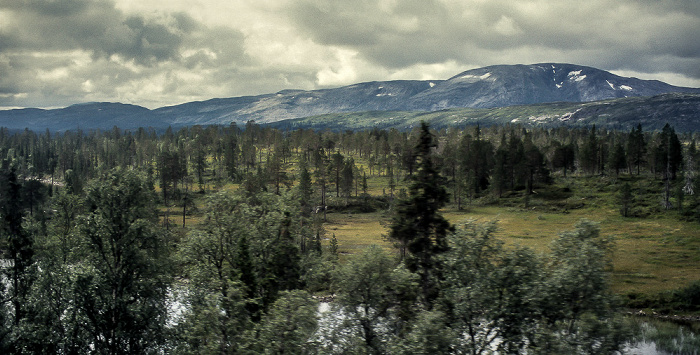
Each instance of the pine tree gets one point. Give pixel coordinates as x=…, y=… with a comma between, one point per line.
x=589, y=153
x=338, y=163
x=690, y=169
x=501, y=168
x=617, y=157
x=364, y=183
x=564, y=157
x=231, y=151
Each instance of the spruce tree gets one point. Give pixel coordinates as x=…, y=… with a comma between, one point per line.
x=418, y=227
x=347, y=178
x=626, y=199
x=636, y=149
x=305, y=188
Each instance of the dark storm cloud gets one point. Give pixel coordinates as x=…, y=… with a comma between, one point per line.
x=95, y=26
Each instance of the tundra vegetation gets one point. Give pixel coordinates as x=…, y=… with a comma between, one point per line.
x=223, y=239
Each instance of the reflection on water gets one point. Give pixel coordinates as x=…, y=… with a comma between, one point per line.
x=644, y=348
x=653, y=337
x=665, y=338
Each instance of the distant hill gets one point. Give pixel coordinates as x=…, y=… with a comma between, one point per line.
x=492, y=87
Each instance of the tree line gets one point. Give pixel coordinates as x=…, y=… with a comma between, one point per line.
x=499, y=156
x=478, y=161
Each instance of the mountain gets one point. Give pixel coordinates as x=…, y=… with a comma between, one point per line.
x=379, y=96
x=508, y=85
x=87, y=116
x=488, y=87
x=680, y=110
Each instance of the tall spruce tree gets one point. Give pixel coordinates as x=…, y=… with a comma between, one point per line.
x=636, y=149
x=305, y=188
x=418, y=227
x=589, y=153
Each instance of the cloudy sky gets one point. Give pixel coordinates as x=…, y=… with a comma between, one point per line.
x=154, y=53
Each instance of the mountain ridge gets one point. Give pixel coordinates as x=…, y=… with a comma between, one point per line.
x=482, y=88
x=680, y=110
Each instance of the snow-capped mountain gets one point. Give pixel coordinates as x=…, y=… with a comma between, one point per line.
x=508, y=85
x=488, y=87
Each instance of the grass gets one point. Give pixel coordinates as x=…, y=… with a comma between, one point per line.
x=356, y=232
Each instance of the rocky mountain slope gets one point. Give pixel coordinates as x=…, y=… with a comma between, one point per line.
x=682, y=111
x=508, y=85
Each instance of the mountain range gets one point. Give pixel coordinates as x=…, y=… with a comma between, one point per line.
x=487, y=91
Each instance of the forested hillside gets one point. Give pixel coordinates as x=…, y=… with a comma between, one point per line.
x=222, y=239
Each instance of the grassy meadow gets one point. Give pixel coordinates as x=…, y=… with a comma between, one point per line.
x=651, y=255
x=655, y=253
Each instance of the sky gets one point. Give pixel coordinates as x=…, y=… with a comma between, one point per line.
x=154, y=53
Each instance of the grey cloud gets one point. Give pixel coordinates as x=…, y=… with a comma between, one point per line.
x=46, y=7
x=97, y=51
x=335, y=26
x=61, y=52
x=95, y=26
x=648, y=32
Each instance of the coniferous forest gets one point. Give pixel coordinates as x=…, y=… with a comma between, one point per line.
x=220, y=239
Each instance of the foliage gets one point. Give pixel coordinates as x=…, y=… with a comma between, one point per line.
x=289, y=326
x=493, y=295
x=514, y=300
x=375, y=297
x=88, y=267
x=238, y=261
x=121, y=284
x=17, y=246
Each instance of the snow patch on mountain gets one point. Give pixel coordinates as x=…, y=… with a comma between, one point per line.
x=576, y=76
x=539, y=119
x=567, y=116
x=474, y=78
